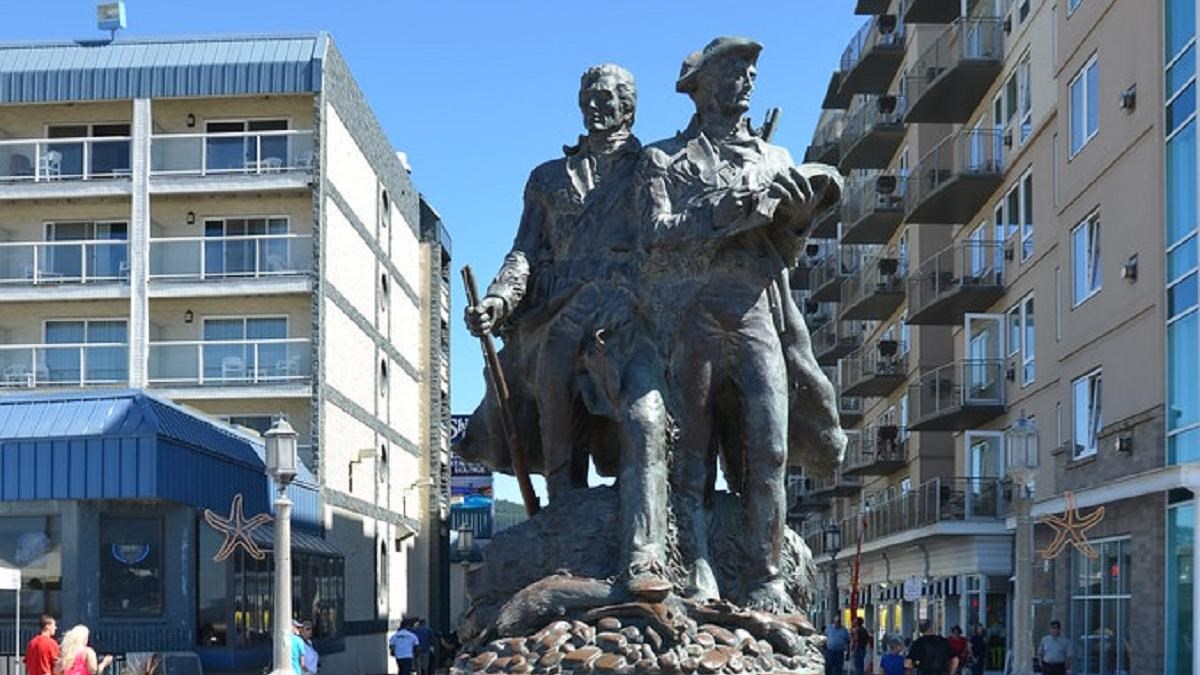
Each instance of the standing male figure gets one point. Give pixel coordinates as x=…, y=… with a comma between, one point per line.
x=425, y=645
x=837, y=639
x=860, y=645
x=1054, y=651
x=577, y=350
x=930, y=654
x=42, y=651
x=728, y=212
x=403, y=645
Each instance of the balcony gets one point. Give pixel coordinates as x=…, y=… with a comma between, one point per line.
x=850, y=410
x=246, y=160
x=931, y=11
x=828, y=275
x=950, y=79
x=876, y=291
x=958, y=396
x=835, y=98
x=232, y=258
x=50, y=168
x=965, y=277
x=941, y=500
x=816, y=314
x=824, y=223
x=798, y=276
x=64, y=365
x=871, y=6
x=954, y=180
x=231, y=363
x=64, y=262
x=799, y=496
x=878, y=451
x=876, y=369
x=826, y=143
x=873, y=57
x=840, y=485
x=832, y=341
x=873, y=133
x=872, y=209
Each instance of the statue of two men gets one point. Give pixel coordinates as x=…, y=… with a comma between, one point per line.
x=643, y=281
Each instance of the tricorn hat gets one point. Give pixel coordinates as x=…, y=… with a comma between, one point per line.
x=721, y=46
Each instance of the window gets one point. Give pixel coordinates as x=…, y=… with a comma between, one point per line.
x=248, y=349
x=33, y=544
x=245, y=145
x=1026, y=217
x=1021, y=337
x=1085, y=259
x=1100, y=593
x=383, y=379
x=246, y=246
x=92, y=351
x=1085, y=394
x=1084, y=107
x=1023, y=10
x=385, y=208
x=1180, y=584
x=1071, y=5
x=259, y=423
x=1025, y=98
x=91, y=157
x=383, y=292
x=106, y=257
x=131, y=566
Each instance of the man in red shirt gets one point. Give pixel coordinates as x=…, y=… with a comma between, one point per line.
x=958, y=644
x=42, y=650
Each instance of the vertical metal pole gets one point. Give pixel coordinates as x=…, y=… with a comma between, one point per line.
x=283, y=584
x=17, y=630
x=1195, y=584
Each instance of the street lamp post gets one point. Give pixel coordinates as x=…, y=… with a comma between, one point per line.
x=281, y=466
x=833, y=544
x=1022, y=441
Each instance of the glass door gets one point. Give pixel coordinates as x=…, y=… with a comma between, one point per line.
x=982, y=370
x=985, y=469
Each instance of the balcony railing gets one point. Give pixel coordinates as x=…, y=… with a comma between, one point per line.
x=205, y=154
x=876, y=291
x=64, y=262
x=931, y=11
x=957, y=396
x=839, y=485
x=198, y=258
x=832, y=341
x=965, y=277
x=826, y=141
x=824, y=223
x=935, y=501
x=850, y=410
x=835, y=98
x=878, y=451
x=230, y=362
x=873, y=133
x=954, y=180
x=828, y=274
x=799, y=497
x=950, y=78
x=64, y=365
x=870, y=62
x=876, y=369
x=871, y=6
x=872, y=208
x=56, y=159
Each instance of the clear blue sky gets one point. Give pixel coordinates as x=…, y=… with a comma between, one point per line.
x=478, y=92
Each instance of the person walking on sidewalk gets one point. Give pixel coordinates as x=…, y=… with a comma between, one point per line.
x=76, y=657
x=1054, y=652
x=403, y=644
x=42, y=650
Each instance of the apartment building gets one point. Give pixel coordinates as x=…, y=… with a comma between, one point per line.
x=221, y=222
x=1006, y=300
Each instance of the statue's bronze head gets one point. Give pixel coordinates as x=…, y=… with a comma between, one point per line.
x=720, y=77
x=607, y=98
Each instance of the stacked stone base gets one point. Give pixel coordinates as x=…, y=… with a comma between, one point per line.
x=611, y=648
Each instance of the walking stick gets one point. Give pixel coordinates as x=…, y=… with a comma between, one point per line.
x=520, y=463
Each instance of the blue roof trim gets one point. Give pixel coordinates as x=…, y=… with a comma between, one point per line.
x=127, y=444
x=51, y=72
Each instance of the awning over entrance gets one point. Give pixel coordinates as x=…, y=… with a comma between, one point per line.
x=128, y=444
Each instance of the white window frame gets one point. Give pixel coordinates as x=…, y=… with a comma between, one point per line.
x=1094, y=382
x=1028, y=341
x=969, y=465
x=1012, y=331
x=1090, y=226
x=85, y=321
x=1024, y=100
x=1025, y=214
x=1073, y=5
x=1081, y=78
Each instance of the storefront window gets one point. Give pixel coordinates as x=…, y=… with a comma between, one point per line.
x=33, y=544
x=212, y=610
x=131, y=566
x=1180, y=579
x=1100, y=609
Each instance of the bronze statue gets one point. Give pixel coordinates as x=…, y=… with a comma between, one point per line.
x=649, y=327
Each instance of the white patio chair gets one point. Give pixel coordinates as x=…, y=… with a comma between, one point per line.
x=233, y=368
x=50, y=164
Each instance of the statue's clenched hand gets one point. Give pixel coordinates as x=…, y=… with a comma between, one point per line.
x=482, y=318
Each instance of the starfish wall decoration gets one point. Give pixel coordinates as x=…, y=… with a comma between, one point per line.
x=1071, y=528
x=237, y=529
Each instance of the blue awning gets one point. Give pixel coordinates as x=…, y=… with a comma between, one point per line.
x=128, y=444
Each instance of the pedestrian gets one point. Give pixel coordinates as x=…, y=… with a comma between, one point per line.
x=861, y=642
x=930, y=654
x=403, y=644
x=42, y=650
x=311, y=658
x=1054, y=652
x=837, y=639
x=425, y=646
x=958, y=645
x=892, y=663
x=76, y=657
x=977, y=649
x=296, y=647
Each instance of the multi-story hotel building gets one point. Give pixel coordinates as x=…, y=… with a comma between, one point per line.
x=1006, y=298
x=222, y=222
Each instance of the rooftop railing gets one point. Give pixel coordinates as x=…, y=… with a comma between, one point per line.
x=230, y=362
x=64, y=262
x=199, y=258
x=257, y=152
x=57, y=159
